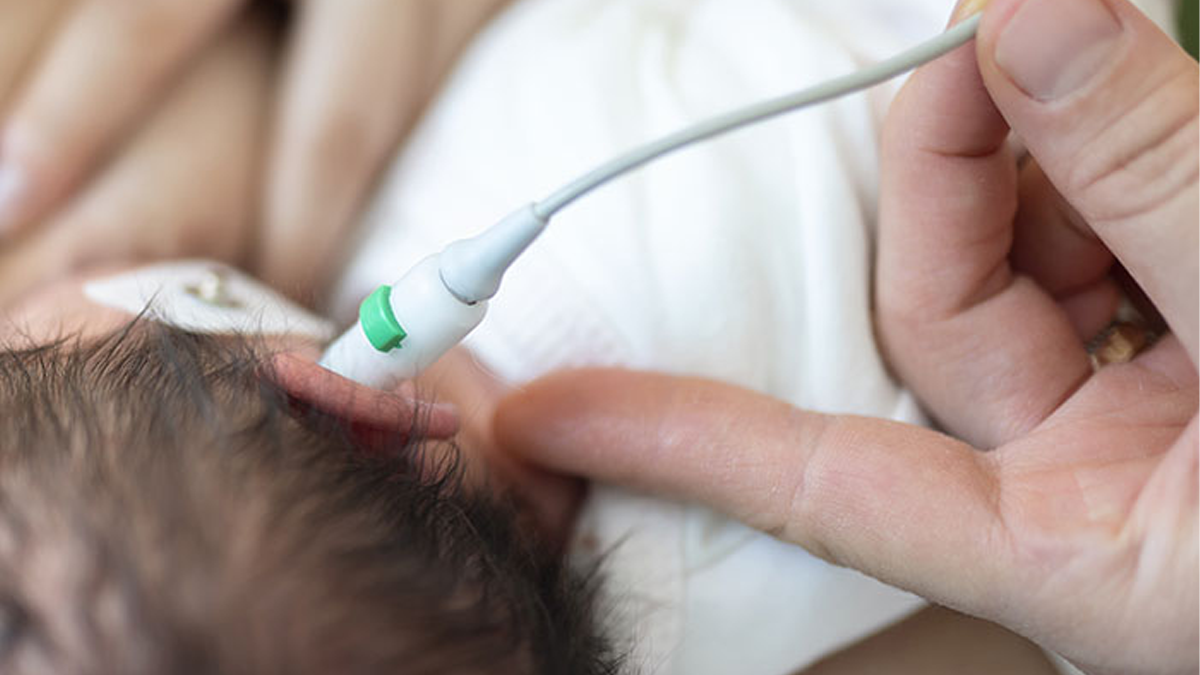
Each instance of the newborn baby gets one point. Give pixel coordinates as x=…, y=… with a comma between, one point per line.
x=174, y=502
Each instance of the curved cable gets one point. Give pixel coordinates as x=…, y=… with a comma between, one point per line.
x=927, y=51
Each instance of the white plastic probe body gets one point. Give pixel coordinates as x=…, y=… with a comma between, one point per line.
x=433, y=319
x=472, y=268
x=404, y=328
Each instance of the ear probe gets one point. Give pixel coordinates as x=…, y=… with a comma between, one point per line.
x=406, y=326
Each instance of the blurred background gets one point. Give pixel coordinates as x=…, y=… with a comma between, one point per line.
x=1188, y=19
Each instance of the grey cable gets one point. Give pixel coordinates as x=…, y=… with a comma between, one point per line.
x=957, y=36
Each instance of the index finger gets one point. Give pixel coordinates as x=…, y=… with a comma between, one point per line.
x=989, y=352
x=857, y=491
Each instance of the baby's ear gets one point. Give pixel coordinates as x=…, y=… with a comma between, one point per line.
x=369, y=413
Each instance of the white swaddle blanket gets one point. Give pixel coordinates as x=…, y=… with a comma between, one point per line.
x=745, y=260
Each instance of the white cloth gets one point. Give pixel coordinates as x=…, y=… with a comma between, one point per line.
x=745, y=260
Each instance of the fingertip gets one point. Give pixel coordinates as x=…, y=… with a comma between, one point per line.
x=605, y=423
x=529, y=420
x=966, y=9
x=1051, y=48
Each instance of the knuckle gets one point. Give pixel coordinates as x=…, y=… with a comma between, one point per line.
x=1143, y=158
x=796, y=513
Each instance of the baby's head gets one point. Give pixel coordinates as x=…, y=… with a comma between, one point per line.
x=165, y=508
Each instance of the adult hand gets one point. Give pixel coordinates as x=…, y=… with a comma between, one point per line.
x=1068, y=511
x=79, y=75
x=89, y=71
x=184, y=184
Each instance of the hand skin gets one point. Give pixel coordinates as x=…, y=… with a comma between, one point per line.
x=357, y=73
x=1061, y=502
x=184, y=184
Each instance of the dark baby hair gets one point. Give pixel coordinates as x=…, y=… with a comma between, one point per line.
x=165, y=509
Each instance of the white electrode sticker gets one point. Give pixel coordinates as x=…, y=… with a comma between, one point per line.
x=207, y=297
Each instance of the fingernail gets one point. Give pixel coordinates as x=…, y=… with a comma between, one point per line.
x=12, y=190
x=1051, y=48
x=965, y=9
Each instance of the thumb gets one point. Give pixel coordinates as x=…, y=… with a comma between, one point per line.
x=1107, y=104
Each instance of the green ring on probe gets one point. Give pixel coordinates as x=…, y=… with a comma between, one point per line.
x=379, y=322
